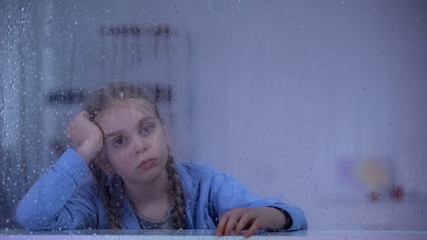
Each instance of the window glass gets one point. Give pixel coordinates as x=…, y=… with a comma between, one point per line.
x=321, y=104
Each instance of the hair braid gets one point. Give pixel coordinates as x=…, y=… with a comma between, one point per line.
x=176, y=195
x=111, y=208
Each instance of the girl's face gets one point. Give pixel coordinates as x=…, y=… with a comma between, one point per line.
x=135, y=141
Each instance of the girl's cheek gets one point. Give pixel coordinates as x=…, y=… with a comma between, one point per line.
x=113, y=153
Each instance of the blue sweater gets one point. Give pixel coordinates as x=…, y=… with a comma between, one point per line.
x=66, y=197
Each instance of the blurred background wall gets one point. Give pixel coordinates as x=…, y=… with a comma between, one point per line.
x=320, y=103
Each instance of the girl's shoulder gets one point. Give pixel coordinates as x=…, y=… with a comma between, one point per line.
x=194, y=169
x=199, y=174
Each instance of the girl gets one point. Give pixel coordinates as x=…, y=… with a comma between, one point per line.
x=135, y=183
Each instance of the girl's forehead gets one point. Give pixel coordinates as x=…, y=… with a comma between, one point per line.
x=138, y=103
x=120, y=106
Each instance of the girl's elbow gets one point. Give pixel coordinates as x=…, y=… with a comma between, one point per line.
x=30, y=219
x=25, y=219
x=22, y=215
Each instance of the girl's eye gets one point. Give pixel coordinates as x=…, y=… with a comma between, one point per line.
x=118, y=142
x=147, y=129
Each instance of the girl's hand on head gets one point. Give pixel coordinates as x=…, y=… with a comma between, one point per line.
x=86, y=135
x=250, y=219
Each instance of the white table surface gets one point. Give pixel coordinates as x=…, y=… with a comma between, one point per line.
x=15, y=234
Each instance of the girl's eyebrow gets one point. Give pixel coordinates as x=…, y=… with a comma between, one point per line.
x=143, y=120
x=113, y=134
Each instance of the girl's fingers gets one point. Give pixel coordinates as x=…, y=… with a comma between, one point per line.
x=85, y=114
x=76, y=129
x=227, y=223
x=231, y=224
x=254, y=227
x=238, y=220
x=242, y=224
x=220, y=228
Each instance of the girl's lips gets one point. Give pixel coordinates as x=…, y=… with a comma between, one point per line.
x=147, y=163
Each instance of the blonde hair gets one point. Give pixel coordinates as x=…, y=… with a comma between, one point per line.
x=98, y=102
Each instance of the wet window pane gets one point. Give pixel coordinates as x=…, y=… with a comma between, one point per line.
x=321, y=104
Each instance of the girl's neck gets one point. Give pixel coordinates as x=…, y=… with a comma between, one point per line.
x=146, y=193
x=149, y=200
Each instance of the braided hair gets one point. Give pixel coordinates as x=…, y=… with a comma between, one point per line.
x=103, y=99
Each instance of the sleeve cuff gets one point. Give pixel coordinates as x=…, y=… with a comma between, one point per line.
x=288, y=220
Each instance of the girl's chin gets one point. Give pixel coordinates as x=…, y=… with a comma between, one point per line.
x=148, y=176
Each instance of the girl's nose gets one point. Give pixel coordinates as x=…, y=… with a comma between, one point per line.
x=141, y=144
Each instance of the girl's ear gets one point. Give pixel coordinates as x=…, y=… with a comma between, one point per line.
x=102, y=162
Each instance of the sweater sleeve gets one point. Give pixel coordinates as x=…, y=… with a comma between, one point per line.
x=63, y=198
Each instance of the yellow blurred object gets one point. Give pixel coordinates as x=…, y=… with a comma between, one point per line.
x=373, y=174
